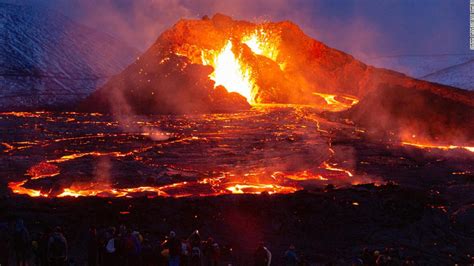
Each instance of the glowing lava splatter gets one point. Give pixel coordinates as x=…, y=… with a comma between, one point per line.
x=230, y=72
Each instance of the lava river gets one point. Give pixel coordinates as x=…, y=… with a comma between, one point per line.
x=269, y=149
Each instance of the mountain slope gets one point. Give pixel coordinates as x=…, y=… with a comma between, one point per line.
x=461, y=75
x=48, y=60
x=442, y=69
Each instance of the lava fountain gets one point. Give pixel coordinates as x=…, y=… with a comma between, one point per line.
x=231, y=72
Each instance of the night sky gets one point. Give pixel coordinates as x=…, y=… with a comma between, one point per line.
x=360, y=27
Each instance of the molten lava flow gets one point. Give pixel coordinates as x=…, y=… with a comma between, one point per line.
x=17, y=188
x=8, y=147
x=440, y=147
x=43, y=170
x=203, y=168
x=230, y=72
x=327, y=166
x=259, y=188
x=300, y=176
x=336, y=105
x=24, y=114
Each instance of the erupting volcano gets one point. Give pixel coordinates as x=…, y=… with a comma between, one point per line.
x=255, y=131
x=282, y=103
x=221, y=64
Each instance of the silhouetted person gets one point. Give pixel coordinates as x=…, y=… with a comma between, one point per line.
x=383, y=260
x=110, y=249
x=367, y=257
x=173, y=244
x=262, y=256
x=35, y=251
x=215, y=254
x=136, y=250
x=409, y=262
x=196, y=249
x=291, y=259
x=211, y=252
x=4, y=244
x=92, y=247
x=395, y=256
x=303, y=261
x=148, y=253
x=185, y=251
x=126, y=248
x=21, y=243
x=57, y=248
x=195, y=239
x=43, y=246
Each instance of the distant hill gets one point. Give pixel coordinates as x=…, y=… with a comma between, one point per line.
x=47, y=60
x=461, y=75
x=441, y=68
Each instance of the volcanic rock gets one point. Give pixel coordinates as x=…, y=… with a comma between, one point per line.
x=407, y=110
x=164, y=83
x=464, y=219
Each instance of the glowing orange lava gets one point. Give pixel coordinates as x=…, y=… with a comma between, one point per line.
x=260, y=43
x=43, y=170
x=259, y=188
x=337, y=105
x=440, y=147
x=24, y=114
x=301, y=176
x=230, y=72
x=228, y=183
x=327, y=166
x=17, y=188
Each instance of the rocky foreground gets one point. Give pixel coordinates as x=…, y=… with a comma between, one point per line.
x=325, y=225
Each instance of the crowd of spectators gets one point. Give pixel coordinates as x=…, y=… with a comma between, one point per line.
x=128, y=246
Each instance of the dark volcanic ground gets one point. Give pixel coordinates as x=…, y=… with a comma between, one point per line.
x=426, y=209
